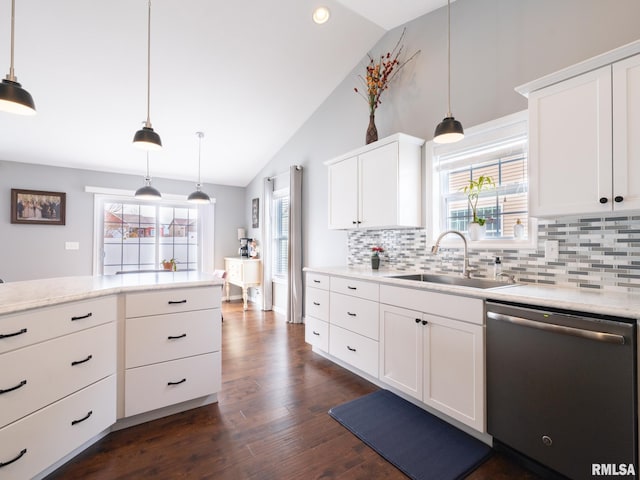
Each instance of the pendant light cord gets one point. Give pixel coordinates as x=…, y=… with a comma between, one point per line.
x=11, y=76
x=148, y=124
x=200, y=135
x=449, y=58
x=148, y=178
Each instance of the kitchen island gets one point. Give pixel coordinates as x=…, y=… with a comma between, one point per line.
x=82, y=356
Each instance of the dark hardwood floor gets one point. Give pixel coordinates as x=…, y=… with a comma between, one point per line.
x=271, y=420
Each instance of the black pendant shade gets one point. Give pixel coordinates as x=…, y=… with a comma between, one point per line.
x=198, y=196
x=15, y=99
x=448, y=130
x=147, y=139
x=148, y=192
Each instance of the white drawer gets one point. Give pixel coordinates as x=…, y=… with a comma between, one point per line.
x=356, y=288
x=50, y=434
x=316, y=303
x=35, y=376
x=172, y=300
x=155, y=386
x=316, y=333
x=168, y=337
x=22, y=329
x=355, y=314
x=457, y=307
x=356, y=350
x=317, y=280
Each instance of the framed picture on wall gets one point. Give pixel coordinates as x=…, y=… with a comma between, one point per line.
x=38, y=207
x=255, y=212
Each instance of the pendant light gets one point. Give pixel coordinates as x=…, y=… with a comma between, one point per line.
x=199, y=196
x=146, y=138
x=449, y=130
x=148, y=192
x=14, y=98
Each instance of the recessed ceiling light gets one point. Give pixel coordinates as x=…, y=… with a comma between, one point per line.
x=321, y=15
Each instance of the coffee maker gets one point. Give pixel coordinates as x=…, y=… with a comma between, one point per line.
x=245, y=244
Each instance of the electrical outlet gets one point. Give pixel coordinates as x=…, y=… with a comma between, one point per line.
x=551, y=250
x=72, y=245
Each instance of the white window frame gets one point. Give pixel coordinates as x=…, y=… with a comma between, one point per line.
x=277, y=195
x=205, y=223
x=505, y=127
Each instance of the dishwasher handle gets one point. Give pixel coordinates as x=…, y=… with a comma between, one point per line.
x=551, y=327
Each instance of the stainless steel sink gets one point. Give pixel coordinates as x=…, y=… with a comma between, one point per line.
x=452, y=280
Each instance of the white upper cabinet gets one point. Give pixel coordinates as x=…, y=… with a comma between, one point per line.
x=583, y=156
x=377, y=186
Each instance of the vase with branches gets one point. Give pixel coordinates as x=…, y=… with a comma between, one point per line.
x=379, y=74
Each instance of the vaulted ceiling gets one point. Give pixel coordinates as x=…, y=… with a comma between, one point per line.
x=248, y=74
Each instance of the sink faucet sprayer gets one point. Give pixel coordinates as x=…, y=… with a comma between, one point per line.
x=466, y=272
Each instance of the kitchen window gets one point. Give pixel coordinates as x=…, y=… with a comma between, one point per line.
x=280, y=231
x=497, y=149
x=138, y=236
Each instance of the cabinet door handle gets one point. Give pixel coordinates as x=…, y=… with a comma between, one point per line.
x=20, y=455
x=618, y=199
x=174, y=302
x=351, y=314
x=175, y=337
x=424, y=322
x=316, y=304
x=354, y=222
x=417, y=320
x=177, y=383
x=317, y=334
x=14, y=334
x=603, y=200
x=78, y=362
x=20, y=385
x=351, y=288
x=351, y=349
x=81, y=317
x=80, y=420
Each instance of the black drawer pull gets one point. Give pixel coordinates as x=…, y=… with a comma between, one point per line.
x=175, y=337
x=20, y=385
x=81, y=317
x=316, y=281
x=177, y=383
x=351, y=314
x=174, y=302
x=75, y=422
x=316, y=304
x=351, y=288
x=15, y=334
x=79, y=362
x=317, y=334
x=351, y=349
x=20, y=455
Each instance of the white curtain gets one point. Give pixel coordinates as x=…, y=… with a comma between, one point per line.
x=267, y=206
x=294, y=290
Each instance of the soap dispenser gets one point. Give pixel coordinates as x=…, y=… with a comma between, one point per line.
x=497, y=268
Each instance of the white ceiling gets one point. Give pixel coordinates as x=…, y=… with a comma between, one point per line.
x=248, y=74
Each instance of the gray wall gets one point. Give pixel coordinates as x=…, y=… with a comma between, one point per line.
x=37, y=251
x=496, y=45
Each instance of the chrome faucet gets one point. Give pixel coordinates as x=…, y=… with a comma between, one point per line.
x=466, y=271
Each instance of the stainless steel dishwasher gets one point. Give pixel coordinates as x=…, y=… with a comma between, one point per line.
x=561, y=388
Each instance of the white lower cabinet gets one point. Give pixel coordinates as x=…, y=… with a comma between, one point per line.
x=316, y=333
x=355, y=349
x=30, y=445
x=435, y=359
x=453, y=356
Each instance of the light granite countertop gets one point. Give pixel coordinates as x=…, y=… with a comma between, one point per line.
x=25, y=295
x=581, y=300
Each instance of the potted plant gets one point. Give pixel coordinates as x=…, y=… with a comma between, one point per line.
x=473, y=190
x=170, y=264
x=375, y=257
